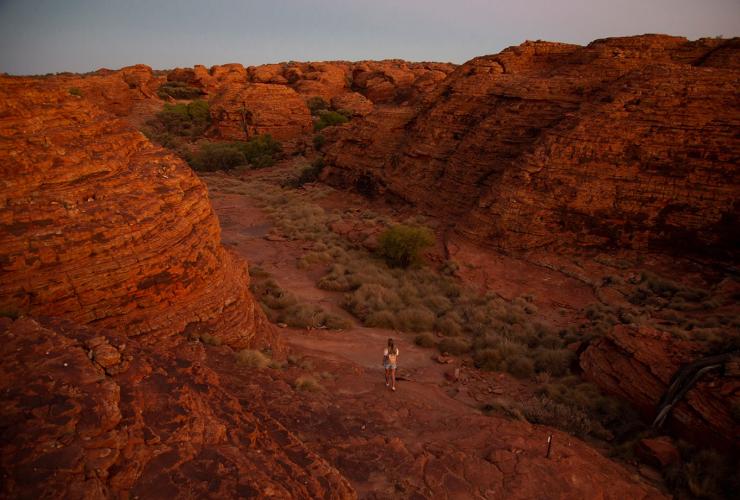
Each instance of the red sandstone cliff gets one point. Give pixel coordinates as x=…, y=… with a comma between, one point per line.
x=101, y=227
x=627, y=141
x=638, y=365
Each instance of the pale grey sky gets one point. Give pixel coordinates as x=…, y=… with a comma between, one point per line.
x=40, y=36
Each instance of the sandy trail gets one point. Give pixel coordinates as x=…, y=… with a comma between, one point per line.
x=427, y=440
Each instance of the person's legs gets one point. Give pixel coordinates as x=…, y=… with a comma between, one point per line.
x=387, y=377
x=393, y=378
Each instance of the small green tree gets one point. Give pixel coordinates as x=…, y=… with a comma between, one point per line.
x=402, y=245
x=328, y=119
x=316, y=104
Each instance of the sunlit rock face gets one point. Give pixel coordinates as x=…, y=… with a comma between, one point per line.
x=625, y=142
x=101, y=227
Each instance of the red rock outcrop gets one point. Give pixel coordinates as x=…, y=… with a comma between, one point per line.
x=93, y=414
x=627, y=141
x=354, y=102
x=100, y=227
x=638, y=363
x=120, y=92
x=241, y=111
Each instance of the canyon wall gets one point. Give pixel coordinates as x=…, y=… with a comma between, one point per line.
x=625, y=142
x=638, y=364
x=100, y=227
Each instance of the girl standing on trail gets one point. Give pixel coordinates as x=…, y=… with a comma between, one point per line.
x=390, y=355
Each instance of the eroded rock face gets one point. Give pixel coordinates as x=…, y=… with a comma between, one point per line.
x=94, y=414
x=638, y=363
x=241, y=111
x=625, y=142
x=99, y=226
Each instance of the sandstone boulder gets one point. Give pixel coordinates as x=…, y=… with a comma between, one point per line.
x=240, y=112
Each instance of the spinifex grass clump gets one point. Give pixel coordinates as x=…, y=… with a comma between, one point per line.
x=281, y=306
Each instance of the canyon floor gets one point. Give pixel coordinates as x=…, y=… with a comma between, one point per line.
x=429, y=439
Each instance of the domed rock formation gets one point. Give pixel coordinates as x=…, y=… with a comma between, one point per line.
x=242, y=111
x=627, y=142
x=100, y=227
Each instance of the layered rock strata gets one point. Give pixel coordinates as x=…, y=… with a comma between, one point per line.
x=638, y=364
x=241, y=111
x=93, y=414
x=100, y=227
x=625, y=142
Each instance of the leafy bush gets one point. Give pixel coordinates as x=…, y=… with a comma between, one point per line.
x=402, y=245
x=258, y=152
x=178, y=90
x=329, y=119
x=252, y=359
x=318, y=141
x=217, y=156
x=190, y=119
x=316, y=104
x=261, y=151
x=75, y=91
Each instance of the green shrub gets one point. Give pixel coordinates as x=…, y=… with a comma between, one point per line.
x=190, y=119
x=316, y=104
x=178, y=90
x=261, y=151
x=218, y=156
x=329, y=119
x=318, y=142
x=402, y=245
x=258, y=152
x=425, y=340
x=252, y=359
x=75, y=91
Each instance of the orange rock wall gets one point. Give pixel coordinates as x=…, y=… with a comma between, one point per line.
x=99, y=226
x=625, y=142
